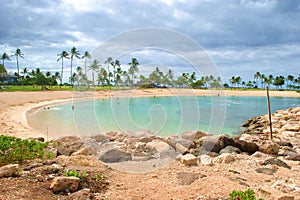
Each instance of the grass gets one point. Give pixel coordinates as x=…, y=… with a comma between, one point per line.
x=32, y=88
x=16, y=150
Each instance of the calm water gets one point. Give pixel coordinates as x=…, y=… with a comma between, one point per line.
x=162, y=115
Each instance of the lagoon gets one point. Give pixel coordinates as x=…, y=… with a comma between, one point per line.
x=164, y=116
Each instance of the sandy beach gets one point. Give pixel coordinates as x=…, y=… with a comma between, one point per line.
x=14, y=105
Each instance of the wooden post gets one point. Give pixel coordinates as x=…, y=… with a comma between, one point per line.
x=269, y=111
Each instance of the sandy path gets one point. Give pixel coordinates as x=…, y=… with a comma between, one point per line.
x=13, y=105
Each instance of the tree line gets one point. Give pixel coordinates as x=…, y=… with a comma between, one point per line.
x=261, y=81
x=110, y=73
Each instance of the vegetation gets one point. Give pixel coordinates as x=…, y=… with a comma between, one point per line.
x=112, y=75
x=243, y=195
x=75, y=173
x=16, y=150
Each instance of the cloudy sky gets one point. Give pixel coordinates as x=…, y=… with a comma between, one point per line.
x=239, y=36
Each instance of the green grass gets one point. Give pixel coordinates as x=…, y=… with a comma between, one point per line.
x=20, y=88
x=16, y=150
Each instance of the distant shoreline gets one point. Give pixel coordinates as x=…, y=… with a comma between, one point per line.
x=14, y=105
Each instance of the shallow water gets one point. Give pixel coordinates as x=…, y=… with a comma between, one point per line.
x=163, y=115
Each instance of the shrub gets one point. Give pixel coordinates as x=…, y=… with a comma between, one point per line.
x=240, y=195
x=75, y=173
x=16, y=150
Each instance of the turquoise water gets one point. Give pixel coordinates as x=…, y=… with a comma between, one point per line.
x=163, y=115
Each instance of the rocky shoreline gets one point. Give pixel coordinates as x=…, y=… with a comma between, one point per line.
x=144, y=152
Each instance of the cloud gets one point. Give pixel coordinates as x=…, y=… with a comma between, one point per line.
x=255, y=34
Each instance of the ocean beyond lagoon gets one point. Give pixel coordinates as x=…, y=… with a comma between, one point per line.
x=164, y=116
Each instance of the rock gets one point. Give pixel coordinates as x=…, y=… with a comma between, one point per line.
x=285, y=143
x=168, y=152
x=192, y=135
x=115, y=155
x=172, y=141
x=181, y=149
x=249, y=138
x=83, y=151
x=287, y=134
x=249, y=147
x=284, y=186
x=227, y=140
x=273, y=194
x=189, y=159
x=83, y=194
x=247, y=123
x=266, y=171
x=276, y=161
x=186, y=178
x=39, y=139
x=225, y=158
x=293, y=156
x=100, y=138
x=206, y=160
x=269, y=147
x=211, y=144
x=68, y=145
x=230, y=150
x=9, y=170
x=64, y=184
x=259, y=154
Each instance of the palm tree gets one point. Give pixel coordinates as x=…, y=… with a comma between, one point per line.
x=4, y=56
x=289, y=81
x=109, y=61
x=61, y=57
x=257, y=76
x=18, y=54
x=95, y=68
x=232, y=81
x=118, y=76
x=102, y=76
x=133, y=68
x=86, y=56
x=74, y=52
x=170, y=76
x=116, y=64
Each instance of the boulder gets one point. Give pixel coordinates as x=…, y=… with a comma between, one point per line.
x=276, y=161
x=227, y=140
x=206, y=160
x=172, y=141
x=115, y=155
x=82, y=194
x=269, y=147
x=181, y=149
x=249, y=147
x=83, y=151
x=211, y=144
x=225, y=158
x=100, y=138
x=68, y=145
x=64, y=184
x=249, y=138
x=230, y=150
x=189, y=159
x=192, y=135
x=9, y=170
